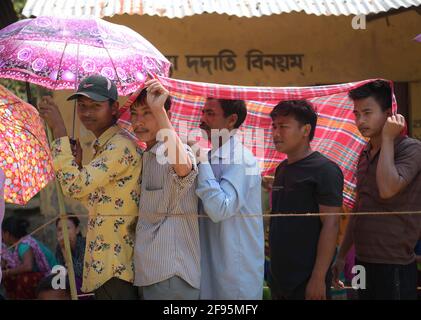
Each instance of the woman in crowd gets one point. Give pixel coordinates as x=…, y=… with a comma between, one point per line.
x=26, y=263
x=77, y=245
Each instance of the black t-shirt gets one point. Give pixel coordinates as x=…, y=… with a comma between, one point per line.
x=300, y=188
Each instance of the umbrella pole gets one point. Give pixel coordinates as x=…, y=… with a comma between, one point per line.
x=75, y=101
x=68, y=251
x=74, y=119
x=28, y=92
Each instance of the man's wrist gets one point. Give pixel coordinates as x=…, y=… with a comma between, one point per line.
x=388, y=140
x=318, y=275
x=158, y=110
x=341, y=256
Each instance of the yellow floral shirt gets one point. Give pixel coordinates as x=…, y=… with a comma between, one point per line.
x=108, y=186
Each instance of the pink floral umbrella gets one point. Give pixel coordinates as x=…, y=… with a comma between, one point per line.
x=58, y=52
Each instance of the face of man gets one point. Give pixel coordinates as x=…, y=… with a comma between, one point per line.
x=96, y=116
x=369, y=117
x=289, y=134
x=144, y=123
x=213, y=118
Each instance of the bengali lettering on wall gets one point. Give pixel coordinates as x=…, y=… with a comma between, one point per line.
x=226, y=60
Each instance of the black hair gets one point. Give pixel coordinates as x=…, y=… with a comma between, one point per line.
x=302, y=111
x=46, y=284
x=380, y=90
x=141, y=100
x=237, y=107
x=17, y=227
x=75, y=220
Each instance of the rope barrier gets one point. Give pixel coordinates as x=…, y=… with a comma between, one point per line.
x=181, y=215
x=269, y=215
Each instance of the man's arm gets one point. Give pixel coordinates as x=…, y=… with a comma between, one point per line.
x=177, y=154
x=49, y=111
x=316, y=287
x=347, y=243
x=329, y=190
x=389, y=181
x=222, y=200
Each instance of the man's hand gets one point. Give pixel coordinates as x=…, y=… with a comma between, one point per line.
x=201, y=154
x=393, y=127
x=316, y=288
x=337, y=268
x=49, y=111
x=267, y=182
x=157, y=95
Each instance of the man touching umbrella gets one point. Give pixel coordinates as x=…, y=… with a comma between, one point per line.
x=107, y=186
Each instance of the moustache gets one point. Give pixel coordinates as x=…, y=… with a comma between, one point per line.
x=204, y=126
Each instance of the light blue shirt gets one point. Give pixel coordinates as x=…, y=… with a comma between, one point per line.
x=232, y=247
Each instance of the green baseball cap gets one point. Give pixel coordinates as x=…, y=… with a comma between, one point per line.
x=97, y=88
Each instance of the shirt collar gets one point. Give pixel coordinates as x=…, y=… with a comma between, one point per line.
x=397, y=140
x=155, y=147
x=107, y=135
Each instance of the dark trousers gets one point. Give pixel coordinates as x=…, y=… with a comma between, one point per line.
x=116, y=289
x=389, y=281
x=299, y=293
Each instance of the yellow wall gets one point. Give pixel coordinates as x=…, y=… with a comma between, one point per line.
x=415, y=101
x=334, y=51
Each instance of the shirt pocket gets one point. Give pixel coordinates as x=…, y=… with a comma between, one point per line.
x=153, y=206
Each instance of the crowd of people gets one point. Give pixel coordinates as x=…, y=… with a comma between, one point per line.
x=145, y=239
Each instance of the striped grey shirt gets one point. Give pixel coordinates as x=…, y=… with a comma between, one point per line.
x=166, y=246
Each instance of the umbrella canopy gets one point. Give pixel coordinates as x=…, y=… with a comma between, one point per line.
x=58, y=52
x=24, y=152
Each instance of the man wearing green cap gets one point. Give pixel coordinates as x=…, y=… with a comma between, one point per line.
x=108, y=186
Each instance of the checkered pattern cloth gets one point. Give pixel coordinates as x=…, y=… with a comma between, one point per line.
x=336, y=135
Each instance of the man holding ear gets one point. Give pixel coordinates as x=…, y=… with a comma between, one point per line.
x=388, y=180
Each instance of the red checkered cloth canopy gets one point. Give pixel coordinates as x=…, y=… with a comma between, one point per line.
x=336, y=135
